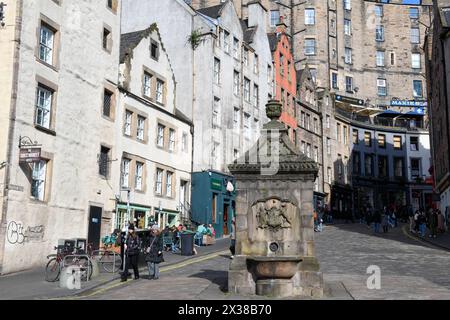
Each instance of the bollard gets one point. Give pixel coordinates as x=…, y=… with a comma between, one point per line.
x=70, y=278
x=95, y=266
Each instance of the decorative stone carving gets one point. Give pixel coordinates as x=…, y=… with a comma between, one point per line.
x=273, y=215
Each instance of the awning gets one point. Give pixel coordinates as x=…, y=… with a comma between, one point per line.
x=358, y=110
x=414, y=114
x=389, y=114
x=140, y=208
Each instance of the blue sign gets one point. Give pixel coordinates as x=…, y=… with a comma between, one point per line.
x=408, y=103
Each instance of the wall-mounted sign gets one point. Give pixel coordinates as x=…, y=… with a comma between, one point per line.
x=351, y=100
x=28, y=155
x=408, y=103
x=216, y=184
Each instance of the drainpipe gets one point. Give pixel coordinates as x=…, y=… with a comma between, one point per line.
x=12, y=119
x=189, y=217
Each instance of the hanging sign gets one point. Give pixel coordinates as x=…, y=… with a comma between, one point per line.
x=28, y=155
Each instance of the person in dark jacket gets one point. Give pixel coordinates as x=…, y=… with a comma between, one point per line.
x=154, y=253
x=132, y=247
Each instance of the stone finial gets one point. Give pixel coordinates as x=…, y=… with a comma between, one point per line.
x=273, y=110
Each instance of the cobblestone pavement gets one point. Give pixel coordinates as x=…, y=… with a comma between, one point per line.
x=409, y=270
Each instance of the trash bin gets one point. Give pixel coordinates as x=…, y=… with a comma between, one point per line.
x=187, y=243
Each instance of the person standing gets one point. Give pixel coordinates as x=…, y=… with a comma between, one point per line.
x=422, y=222
x=132, y=246
x=411, y=219
x=154, y=253
x=376, y=221
x=385, y=223
x=441, y=224
x=433, y=222
x=233, y=237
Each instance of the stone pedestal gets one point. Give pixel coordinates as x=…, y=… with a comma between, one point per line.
x=275, y=253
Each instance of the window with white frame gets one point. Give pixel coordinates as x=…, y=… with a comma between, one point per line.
x=303, y=147
x=159, y=91
x=127, y=123
x=169, y=176
x=379, y=11
x=308, y=121
x=348, y=55
x=247, y=125
x=274, y=17
x=316, y=154
x=147, y=84
x=159, y=181
x=38, y=177
x=171, y=140
x=347, y=4
x=235, y=118
x=236, y=82
x=310, y=47
x=415, y=60
x=160, y=137
x=334, y=80
x=246, y=89
x=246, y=57
x=417, y=88
x=184, y=142
x=415, y=35
x=44, y=99
x=349, y=84
x=140, y=127
x=216, y=71
x=379, y=33
x=216, y=113
x=381, y=86
x=125, y=173
x=380, y=58
x=302, y=119
x=138, y=176
x=236, y=48
x=414, y=13
x=255, y=63
x=308, y=150
x=348, y=27
x=46, y=42
x=255, y=96
x=310, y=15
x=226, y=38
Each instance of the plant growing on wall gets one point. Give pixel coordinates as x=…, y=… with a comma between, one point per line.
x=195, y=38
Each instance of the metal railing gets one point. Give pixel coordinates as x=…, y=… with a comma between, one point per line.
x=96, y=253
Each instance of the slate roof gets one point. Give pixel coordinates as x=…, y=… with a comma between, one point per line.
x=249, y=33
x=213, y=12
x=445, y=14
x=129, y=41
x=273, y=41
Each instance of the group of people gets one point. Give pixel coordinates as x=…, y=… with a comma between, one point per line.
x=202, y=230
x=380, y=219
x=432, y=218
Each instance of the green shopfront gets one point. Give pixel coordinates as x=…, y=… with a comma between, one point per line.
x=213, y=200
x=143, y=216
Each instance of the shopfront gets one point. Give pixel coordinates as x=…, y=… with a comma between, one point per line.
x=140, y=215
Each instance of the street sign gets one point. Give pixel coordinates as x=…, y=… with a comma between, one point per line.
x=28, y=155
x=351, y=100
x=408, y=103
x=216, y=184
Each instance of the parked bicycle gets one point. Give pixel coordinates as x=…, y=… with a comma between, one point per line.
x=54, y=266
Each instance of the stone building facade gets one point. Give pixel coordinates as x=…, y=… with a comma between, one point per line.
x=58, y=57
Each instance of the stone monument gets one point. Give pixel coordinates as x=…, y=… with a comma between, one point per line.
x=274, y=217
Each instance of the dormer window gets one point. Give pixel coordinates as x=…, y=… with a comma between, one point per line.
x=154, y=50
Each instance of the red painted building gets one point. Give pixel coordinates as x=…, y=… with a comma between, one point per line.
x=285, y=78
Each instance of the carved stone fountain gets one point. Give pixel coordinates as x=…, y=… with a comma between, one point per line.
x=274, y=217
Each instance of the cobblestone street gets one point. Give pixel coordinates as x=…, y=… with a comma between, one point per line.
x=410, y=269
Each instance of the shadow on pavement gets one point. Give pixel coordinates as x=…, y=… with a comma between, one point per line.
x=217, y=277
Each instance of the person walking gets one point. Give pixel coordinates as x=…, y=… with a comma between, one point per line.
x=154, y=253
x=233, y=237
x=433, y=223
x=441, y=224
x=411, y=219
x=422, y=222
x=132, y=246
x=376, y=221
x=385, y=223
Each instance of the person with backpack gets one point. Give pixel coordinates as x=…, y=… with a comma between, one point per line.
x=132, y=247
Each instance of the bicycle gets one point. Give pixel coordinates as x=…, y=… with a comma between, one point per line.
x=107, y=258
x=53, y=267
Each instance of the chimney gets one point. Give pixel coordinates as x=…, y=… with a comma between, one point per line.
x=257, y=14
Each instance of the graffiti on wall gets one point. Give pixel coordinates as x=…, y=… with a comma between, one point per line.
x=16, y=233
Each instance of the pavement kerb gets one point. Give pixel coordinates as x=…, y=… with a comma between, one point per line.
x=174, y=265
x=423, y=240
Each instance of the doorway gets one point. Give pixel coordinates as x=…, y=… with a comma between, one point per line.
x=225, y=219
x=95, y=224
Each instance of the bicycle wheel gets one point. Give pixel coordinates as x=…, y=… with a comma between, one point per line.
x=110, y=262
x=84, y=262
x=52, y=270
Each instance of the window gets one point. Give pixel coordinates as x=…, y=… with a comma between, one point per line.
x=348, y=27
x=236, y=48
x=138, y=176
x=381, y=140
x=160, y=137
x=327, y=121
x=329, y=175
x=417, y=88
x=216, y=113
x=281, y=63
x=383, y=166
x=184, y=141
x=247, y=125
x=289, y=70
x=38, y=175
x=356, y=163
x=347, y=4
x=46, y=41
x=127, y=123
x=269, y=74
x=103, y=161
x=274, y=17
x=313, y=74
x=226, y=41
x=255, y=96
x=246, y=57
x=107, y=39
x=345, y=163
x=381, y=85
x=415, y=168
x=334, y=80
x=316, y=125
x=216, y=71
x=368, y=165
x=235, y=118
x=367, y=139
x=415, y=60
x=379, y=33
x=147, y=84
x=246, y=90
x=392, y=58
x=159, y=91
x=414, y=13
x=379, y=11
x=415, y=35
x=414, y=142
x=339, y=165
x=398, y=167
x=380, y=58
x=236, y=83
x=345, y=135
x=309, y=16
x=308, y=122
x=140, y=127
x=302, y=119
x=235, y=153
x=110, y=4
x=171, y=140
x=397, y=142
x=154, y=50
x=44, y=99
x=169, y=176
x=219, y=37
x=316, y=154
x=255, y=64
x=303, y=147
x=159, y=180
x=338, y=132
x=125, y=173
x=310, y=47
x=355, y=136
x=348, y=55
x=349, y=84
x=215, y=155
x=308, y=150
x=107, y=101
